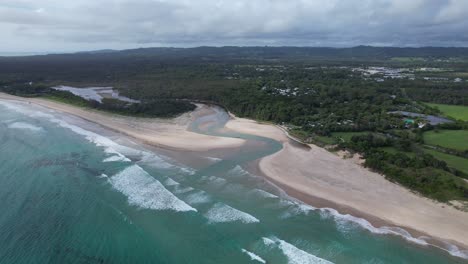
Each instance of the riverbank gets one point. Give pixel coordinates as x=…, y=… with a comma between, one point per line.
x=324, y=179
x=165, y=133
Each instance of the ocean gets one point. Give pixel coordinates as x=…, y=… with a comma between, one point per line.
x=72, y=192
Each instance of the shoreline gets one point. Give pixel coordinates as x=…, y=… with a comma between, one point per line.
x=324, y=191
x=323, y=204
x=322, y=179
x=164, y=133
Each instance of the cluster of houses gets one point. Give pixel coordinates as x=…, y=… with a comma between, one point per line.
x=385, y=73
x=288, y=91
x=380, y=74
x=421, y=120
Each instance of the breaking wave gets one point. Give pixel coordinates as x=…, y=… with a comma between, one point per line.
x=294, y=254
x=116, y=158
x=222, y=213
x=25, y=126
x=144, y=191
x=346, y=221
x=198, y=197
x=253, y=256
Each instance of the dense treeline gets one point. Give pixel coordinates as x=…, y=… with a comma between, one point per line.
x=147, y=108
x=321, y=100
x=152, y=108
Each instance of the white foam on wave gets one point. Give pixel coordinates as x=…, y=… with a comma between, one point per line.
x=199, y=197
x=110, y=147
x=213, y=181
x=294, y=254
x=157, y=161
x=253, y=256
x=455, y=251
x=237, y=171
x=343, y=219
x=346, y=221
x=186, y=170
x=153, y=160
x=25, y=126
x=170, y=182
x=116, y=158
x=22, y=108
x=146, y=192
x=221, y=213
x=295, y=208
x=103, y=176
x=118, y=152
x=213, y=159
x=263, y=193
x=178, y=189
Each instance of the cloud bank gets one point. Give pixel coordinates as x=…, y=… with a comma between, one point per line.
x=50, y=25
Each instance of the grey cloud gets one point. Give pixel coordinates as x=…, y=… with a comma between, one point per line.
x=85, y=24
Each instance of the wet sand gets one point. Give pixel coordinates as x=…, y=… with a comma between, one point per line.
x=165, y=133
x=323, y=179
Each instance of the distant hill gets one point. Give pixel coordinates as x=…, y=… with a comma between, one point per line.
x=232, y=52
x=108, y=65
x=97, y=51
x=307, y=52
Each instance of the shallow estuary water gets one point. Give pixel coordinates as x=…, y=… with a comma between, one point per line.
x=74, y=193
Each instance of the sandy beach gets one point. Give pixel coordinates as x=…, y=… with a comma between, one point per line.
x=313, y=175
x=317, y=173
x=165, y=133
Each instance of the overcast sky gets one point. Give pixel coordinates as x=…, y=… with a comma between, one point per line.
x=74, y=25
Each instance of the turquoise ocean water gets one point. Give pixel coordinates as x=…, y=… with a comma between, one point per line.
x=73, y=194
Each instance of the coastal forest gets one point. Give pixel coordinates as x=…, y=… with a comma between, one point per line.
x=404, y=110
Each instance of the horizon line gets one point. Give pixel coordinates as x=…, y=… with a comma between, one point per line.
x=44, y=53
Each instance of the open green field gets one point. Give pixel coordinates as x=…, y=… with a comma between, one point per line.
x=326, y=140
x=455, y=111
x=338, y=137
x=452, y=139
x=455, y=162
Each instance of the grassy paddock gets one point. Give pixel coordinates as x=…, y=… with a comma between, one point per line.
x=346, y=136
x=338, y=137
x=455, y=111
x=452, y=139
x=326, y=140
x=455, y=162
